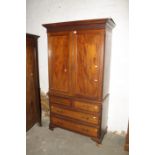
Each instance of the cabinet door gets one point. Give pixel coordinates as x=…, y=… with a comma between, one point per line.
x=59, y=65
x=30, y=88
x=88, y=57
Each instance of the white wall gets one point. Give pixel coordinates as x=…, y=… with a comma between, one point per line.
x=48, y=11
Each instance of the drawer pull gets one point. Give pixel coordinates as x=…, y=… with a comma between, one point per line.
x=95, y=107
x=87, y=118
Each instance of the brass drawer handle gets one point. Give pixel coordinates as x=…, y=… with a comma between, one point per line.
x=94, y=117
x=87, y=118
x=95, y=107
x=96, y=66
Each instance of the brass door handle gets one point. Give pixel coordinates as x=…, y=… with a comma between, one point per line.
x=95, y=80
x=65, y=70
x=74, y=32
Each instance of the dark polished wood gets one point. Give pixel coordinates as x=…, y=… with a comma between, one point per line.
x=33, y=105
x=79, y=67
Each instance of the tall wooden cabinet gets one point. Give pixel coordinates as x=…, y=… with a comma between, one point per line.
x=33, y=105
x=79, y=62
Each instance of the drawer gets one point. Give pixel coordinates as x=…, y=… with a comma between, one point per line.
x=76, y=115
x=86, y=106
x=90, y=131
x=59, y=100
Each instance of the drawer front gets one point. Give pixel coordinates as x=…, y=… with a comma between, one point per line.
x=90, y=131
x=60, y=100
x=76, y=115
x=86, y=106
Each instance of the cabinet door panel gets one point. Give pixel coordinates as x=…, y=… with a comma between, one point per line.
x=89, y=49
x=30, y=88
x=59, y=62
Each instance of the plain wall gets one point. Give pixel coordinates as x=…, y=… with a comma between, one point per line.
x=49, y=11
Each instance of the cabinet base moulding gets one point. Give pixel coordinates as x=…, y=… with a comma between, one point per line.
x=98, y=140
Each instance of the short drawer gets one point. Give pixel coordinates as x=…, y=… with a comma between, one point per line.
x=90, y=131
x=86, y=106
x=75, y=115
x=62, y=101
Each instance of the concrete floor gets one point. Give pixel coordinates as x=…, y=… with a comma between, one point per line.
x=42, y=141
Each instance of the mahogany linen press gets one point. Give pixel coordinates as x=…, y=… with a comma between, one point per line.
x=79, y=67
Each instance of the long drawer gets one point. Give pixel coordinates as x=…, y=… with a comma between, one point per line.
x=90, y=131
x=76, y=115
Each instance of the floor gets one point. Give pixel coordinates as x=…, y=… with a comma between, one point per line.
x=42, y=141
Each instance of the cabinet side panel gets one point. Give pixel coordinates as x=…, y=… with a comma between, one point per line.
x=106, y=78
x=107, y=57
x=105, y=107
